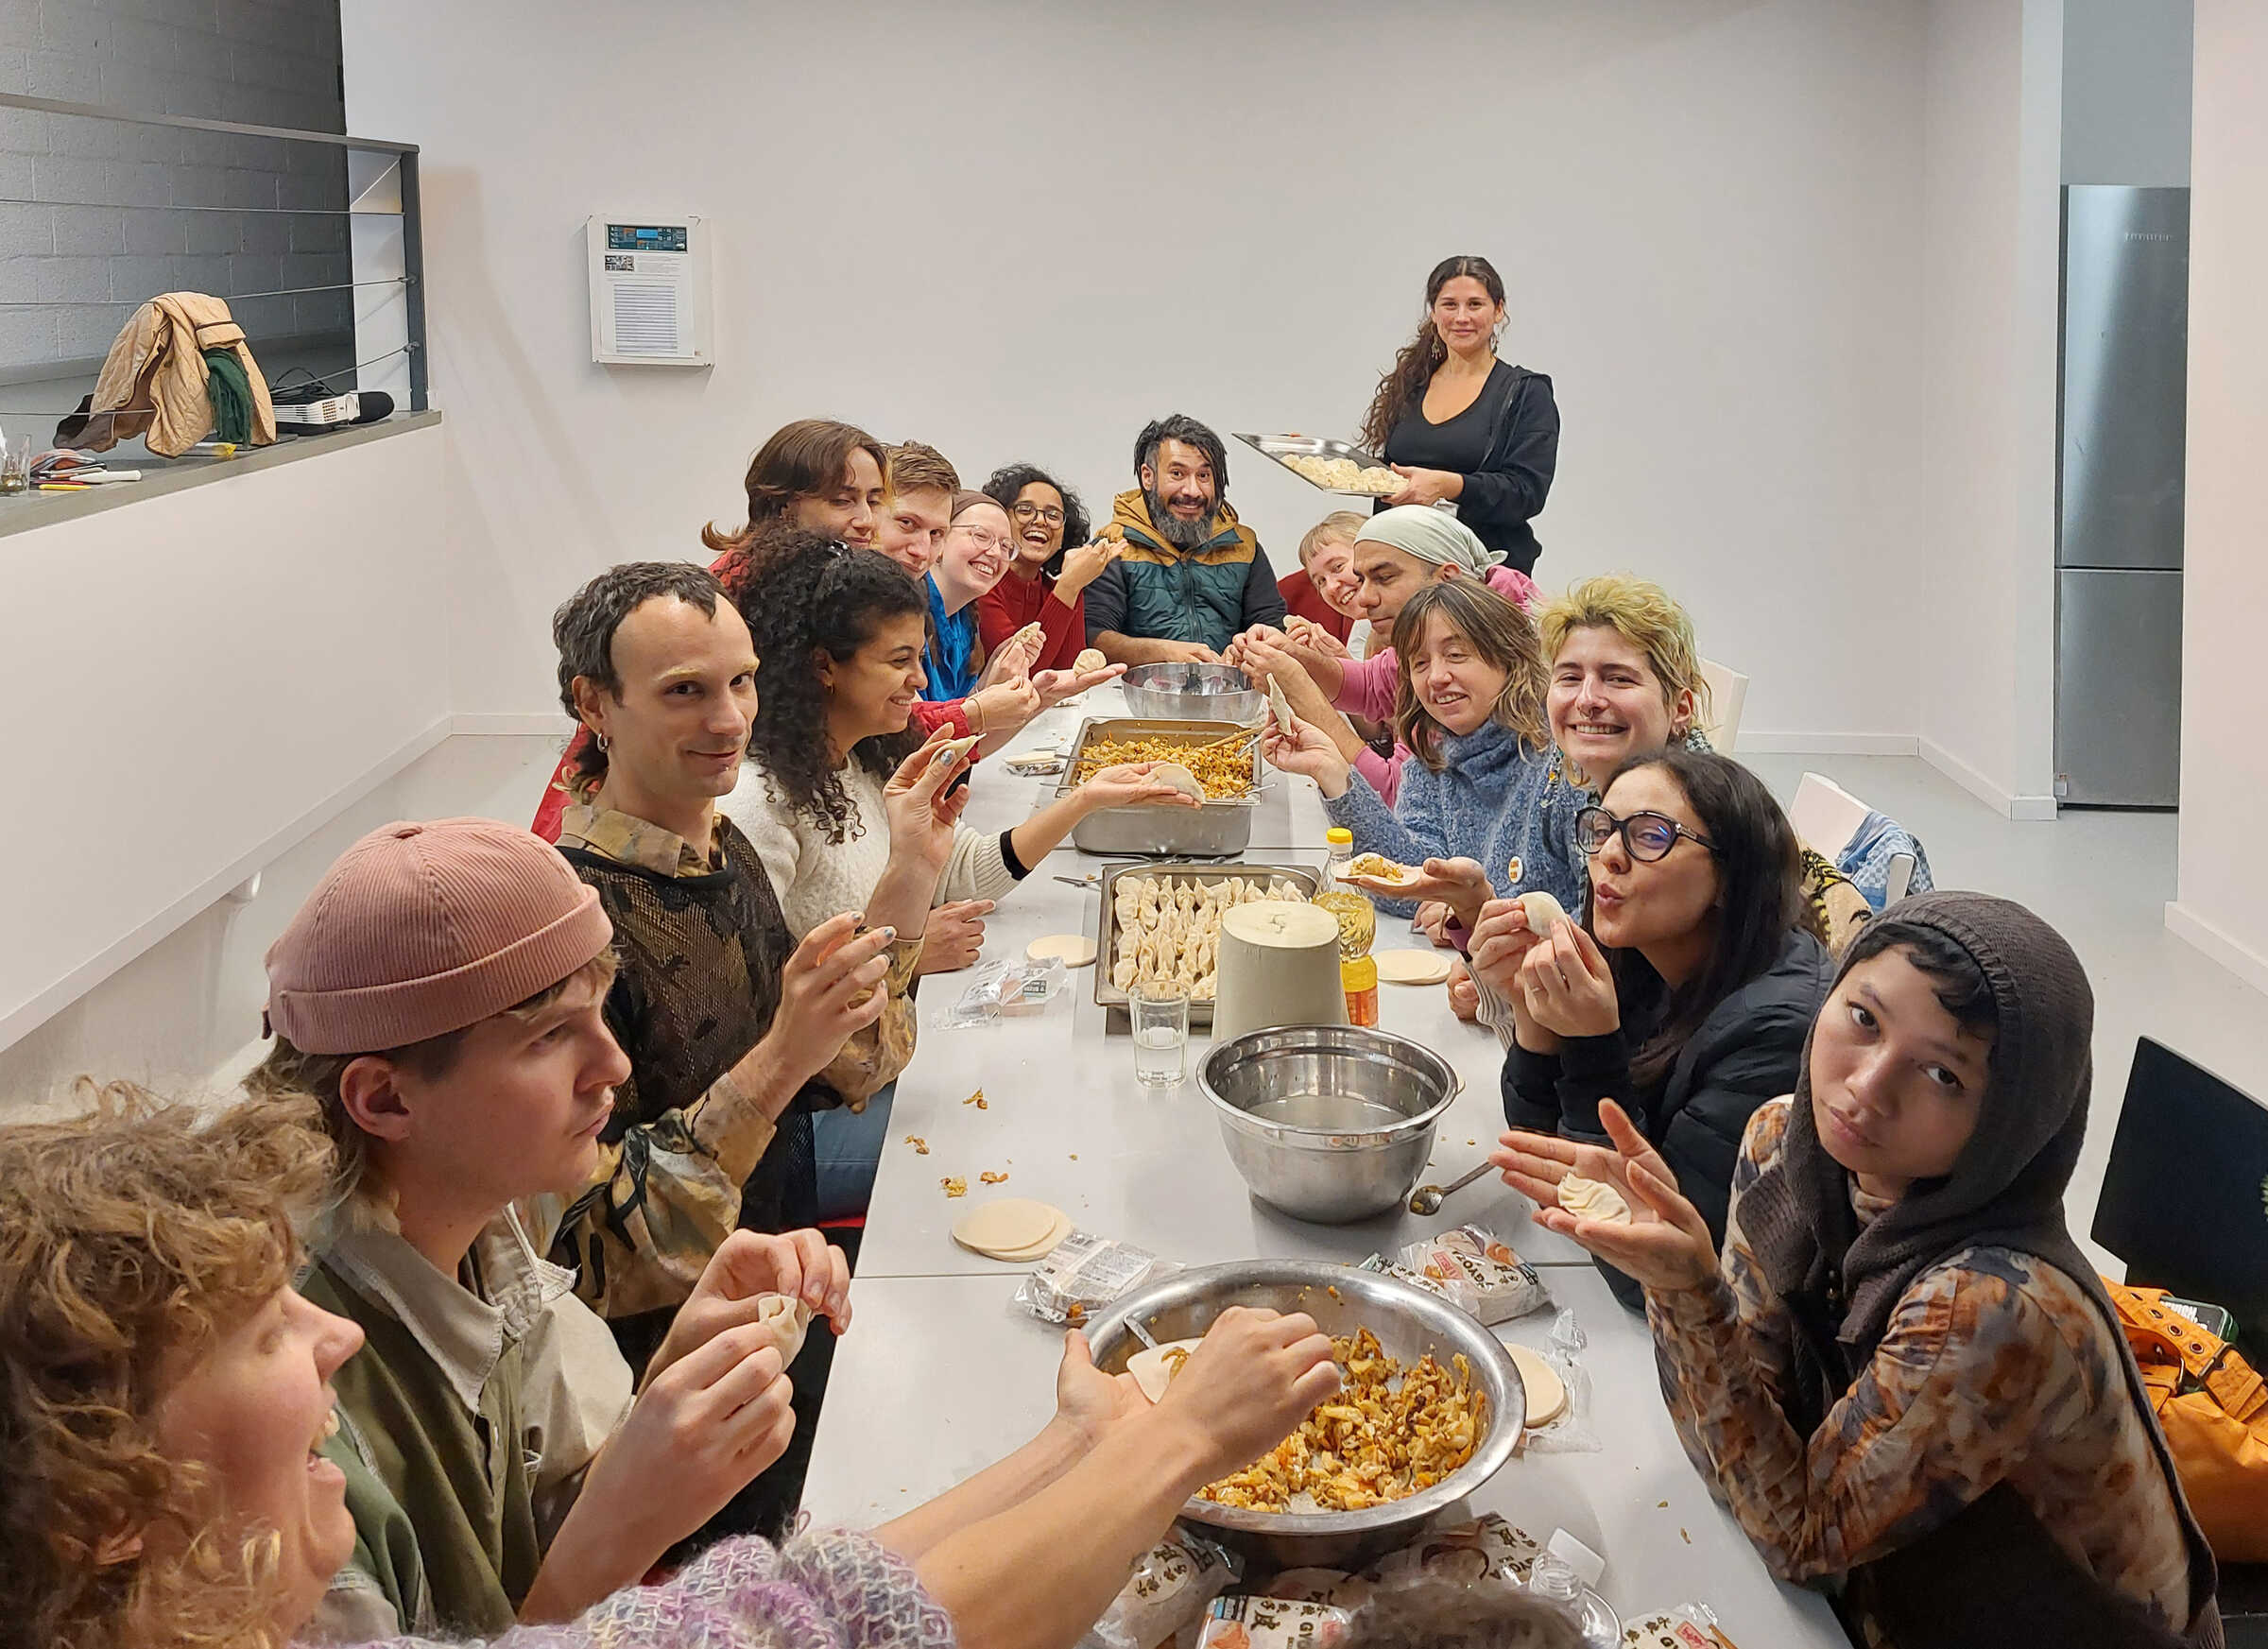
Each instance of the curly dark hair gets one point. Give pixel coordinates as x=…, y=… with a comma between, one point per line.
x=583, y=631
x=1003, y=485
x=1413, y=369
x=806, y=593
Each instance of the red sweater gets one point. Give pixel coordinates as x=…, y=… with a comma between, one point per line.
x=1014, y=602
x=1301, y=596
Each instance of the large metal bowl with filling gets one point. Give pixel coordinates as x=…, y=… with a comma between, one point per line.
x=1191, y=692
x=1329, y=1123
x=1409, y=1323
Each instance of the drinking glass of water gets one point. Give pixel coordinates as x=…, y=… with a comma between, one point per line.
x=1160, y=1015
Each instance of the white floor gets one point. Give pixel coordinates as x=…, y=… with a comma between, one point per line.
x=2101, y=878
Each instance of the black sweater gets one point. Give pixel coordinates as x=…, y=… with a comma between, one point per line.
x=1747, y=1050
x=1507, y=478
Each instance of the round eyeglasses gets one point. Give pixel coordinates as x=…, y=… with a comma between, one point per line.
x=1048, y=513
x=1646, y=836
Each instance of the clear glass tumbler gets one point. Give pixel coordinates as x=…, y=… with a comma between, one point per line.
x=1161, y=1016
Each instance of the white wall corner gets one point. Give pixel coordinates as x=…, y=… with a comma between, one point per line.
x=1825, y=744
x=513, y=724
x=2009, y=804
x=2184, y=922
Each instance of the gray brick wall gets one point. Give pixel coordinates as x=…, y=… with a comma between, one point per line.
x=96, y=215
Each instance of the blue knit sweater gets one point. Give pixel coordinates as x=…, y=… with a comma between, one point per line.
x=1493, y=801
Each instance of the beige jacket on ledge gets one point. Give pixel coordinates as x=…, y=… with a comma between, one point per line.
x=154, y=377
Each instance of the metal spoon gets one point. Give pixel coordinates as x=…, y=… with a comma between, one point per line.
x=1427, y=1199
x=1134, y=1327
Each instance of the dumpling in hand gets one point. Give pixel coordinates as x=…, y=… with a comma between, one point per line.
x=1593, y=1199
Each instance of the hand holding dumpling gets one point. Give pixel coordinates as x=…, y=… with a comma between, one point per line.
x=1663, y=1240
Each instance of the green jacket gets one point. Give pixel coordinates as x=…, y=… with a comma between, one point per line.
x=1155, y=592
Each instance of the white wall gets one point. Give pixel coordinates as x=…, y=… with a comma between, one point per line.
x=1984, y=666
x=182, y=1016
x=1019, y=232
x=2126, y=91
x=2223, y=903
x=196, y=681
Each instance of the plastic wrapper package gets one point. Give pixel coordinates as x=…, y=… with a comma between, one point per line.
x=1006, y=989
x=1479, y=1271
x=1165, y=1599
x=1240, y=1621
x=1488, y=1547
x=1687, y=1626
x=1084, y=1273
x=1571, y=1432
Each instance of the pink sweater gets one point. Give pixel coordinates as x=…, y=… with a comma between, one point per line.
x=1366, y=687
x=828, y=1590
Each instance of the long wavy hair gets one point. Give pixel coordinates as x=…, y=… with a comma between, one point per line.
x=807, y=594
x=1414, y=365
x=132, y=1240
x=1003, y=485
x=803, y=459
x=1501, y=633
x=1760, y=897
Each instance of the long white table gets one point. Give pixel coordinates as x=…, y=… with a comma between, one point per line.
x=940, y=1375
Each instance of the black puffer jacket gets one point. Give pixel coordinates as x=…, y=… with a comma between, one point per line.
x=1750, y=1048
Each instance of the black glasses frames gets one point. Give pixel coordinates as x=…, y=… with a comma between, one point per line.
x=1646, y=836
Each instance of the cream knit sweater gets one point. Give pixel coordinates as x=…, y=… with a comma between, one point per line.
x=815, y=878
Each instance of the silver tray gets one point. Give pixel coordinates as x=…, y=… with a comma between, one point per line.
x=1215, y=830
x=1280, y=447
x=1109, y=997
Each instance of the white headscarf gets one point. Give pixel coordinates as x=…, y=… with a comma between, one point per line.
x=1433, y=536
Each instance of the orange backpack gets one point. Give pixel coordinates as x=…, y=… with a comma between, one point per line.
x=2213, y=1409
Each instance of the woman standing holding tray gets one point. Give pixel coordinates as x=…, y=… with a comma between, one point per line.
x=1463, y=427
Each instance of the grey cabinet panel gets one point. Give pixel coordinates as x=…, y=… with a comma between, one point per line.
x=2118, y=698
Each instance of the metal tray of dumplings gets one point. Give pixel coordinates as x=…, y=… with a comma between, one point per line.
x=1216, y=830
x=1284, y=447
x=1109, y=997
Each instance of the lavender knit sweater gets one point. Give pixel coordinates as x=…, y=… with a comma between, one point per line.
x=828, y=1590
x=1495, y=799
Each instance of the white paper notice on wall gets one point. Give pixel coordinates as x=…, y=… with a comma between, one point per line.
x=649, y=289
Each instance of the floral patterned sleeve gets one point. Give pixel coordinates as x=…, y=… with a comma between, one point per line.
x=1981, y=1359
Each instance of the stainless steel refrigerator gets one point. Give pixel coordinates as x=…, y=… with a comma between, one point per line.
x=2122, y=388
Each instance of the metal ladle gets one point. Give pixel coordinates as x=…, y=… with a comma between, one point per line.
x=1428, y=1199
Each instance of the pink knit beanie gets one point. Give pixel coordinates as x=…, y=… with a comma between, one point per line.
x=423, y=929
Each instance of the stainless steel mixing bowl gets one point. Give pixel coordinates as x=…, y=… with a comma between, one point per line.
x=1409, y=1323
x=1177, y=692
x=1355, y=1113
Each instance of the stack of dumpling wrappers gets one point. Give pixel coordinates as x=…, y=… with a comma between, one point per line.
x=1169, y=929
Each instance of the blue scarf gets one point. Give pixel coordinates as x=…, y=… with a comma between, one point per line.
x=951, y=657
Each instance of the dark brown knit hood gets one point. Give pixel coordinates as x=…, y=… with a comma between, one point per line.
x=2007, y=1190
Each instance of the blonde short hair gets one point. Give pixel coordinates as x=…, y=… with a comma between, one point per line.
x=1338, y=524
x=1643, y=614
x=914, y=467
x=132, y=1240
x=290, y=1074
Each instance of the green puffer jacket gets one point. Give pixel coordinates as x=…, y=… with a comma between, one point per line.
x=1175, y=595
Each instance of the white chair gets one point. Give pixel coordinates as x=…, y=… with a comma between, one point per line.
x=1727, y=692
x=1826, y=816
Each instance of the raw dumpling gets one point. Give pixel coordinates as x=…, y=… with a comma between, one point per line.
x=1593, y=1199
x=787, y=1319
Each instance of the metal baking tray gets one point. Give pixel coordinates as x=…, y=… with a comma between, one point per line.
x=1216, y=830
x=1107, y=995
x=1280, y=447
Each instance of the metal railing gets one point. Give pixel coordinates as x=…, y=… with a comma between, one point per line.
x=385, y=251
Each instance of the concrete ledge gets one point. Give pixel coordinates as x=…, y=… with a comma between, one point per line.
x=30, y=511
